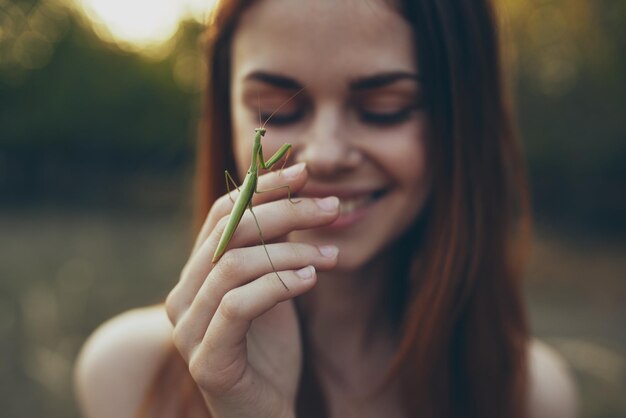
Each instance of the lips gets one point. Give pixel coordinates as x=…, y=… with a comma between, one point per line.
x=353, y=204
x=348, y=205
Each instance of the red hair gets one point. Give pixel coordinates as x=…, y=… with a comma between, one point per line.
x=460, y=312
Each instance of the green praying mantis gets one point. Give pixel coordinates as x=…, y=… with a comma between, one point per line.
x=249, y=187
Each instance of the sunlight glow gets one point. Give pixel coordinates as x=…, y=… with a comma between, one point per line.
x=141, y=24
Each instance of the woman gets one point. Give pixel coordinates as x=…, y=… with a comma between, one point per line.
x=402, y=257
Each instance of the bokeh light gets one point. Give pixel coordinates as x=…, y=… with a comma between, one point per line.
x=28, y=35
x=99, y=109
x=143, y=26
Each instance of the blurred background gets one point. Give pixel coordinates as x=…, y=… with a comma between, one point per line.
x=99, y=101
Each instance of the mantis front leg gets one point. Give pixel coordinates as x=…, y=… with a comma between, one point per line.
x=285, y=149
x=274, y=158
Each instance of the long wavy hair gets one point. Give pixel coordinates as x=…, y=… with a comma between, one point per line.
x=462, y=321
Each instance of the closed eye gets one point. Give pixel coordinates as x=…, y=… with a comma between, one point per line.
x=386, y=118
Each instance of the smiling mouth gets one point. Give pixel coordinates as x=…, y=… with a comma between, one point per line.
x=348, y=205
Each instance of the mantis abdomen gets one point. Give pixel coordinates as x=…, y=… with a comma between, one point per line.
x=243, y=201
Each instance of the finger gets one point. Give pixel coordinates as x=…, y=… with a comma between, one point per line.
x=238, y=267
x=275, y=219
x=224, y=342
x=294, y=177
x=199, y=264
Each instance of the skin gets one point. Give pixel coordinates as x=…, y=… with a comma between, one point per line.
x=344, y=152
x=247, y=189
x=233, y=322
x=255, y=366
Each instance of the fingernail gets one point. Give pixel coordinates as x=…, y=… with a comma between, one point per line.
x=329, y=251
x=306, y=273
x=329, y=204
x=294, y=170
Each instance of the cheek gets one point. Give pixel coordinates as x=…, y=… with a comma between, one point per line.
x=409, y=163
x=417, y=156
x=405, y=157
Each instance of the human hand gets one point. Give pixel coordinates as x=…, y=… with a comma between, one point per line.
x=234, y=323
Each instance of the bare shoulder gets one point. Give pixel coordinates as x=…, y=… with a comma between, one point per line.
x=119, y=360
x=552, y=392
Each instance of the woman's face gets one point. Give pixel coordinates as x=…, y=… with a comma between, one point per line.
x=358, y=124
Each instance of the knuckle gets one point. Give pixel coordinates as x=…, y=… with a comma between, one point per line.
x=208, y=300
x=230, y=263
x=231, y=306
x=295, y=251
x=214, y=237
x=273, y=282
x=289, y=207
x=290, y=215
x=215, y=379
x=184, y=272
x=171, y=306
x=222, y=205
x=179, y=339
x=220, y=208
x=220, y=226
x=201, y=373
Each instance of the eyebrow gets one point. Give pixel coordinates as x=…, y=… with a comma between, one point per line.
x=275, y=80
x=382, y=80
x=361, y=83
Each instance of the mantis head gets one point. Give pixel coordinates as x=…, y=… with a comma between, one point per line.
x=260, y=130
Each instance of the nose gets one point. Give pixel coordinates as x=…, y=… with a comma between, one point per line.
x=326, y=146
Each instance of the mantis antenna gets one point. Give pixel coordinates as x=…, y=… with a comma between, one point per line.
x=279, y=107
x=249, y=188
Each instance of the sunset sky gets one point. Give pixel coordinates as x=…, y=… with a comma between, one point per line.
x=141, y=24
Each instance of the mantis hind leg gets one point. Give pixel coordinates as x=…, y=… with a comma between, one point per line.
x=286, y=186
x=265, y=247
x=228, y=177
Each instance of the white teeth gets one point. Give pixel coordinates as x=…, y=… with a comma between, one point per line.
x=346, y=207
x=350, y=205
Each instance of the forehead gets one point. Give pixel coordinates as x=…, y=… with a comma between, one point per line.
x=322, y=41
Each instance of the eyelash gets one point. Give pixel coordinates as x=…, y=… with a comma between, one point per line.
x=373, y=118
x=386, y=118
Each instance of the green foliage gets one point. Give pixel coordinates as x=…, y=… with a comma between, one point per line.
x=93, y=98
x=571, y=58
x=72, y=103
